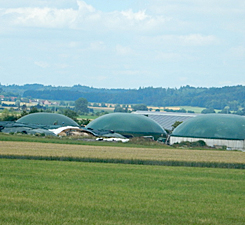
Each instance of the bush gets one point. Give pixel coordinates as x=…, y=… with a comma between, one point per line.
x=145, y=141
x=188, y=144
x=83, y=122
x=141, y=107
x=208, y=110
x=8, y=116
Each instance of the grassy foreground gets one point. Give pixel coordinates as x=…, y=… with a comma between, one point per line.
x=52, y=192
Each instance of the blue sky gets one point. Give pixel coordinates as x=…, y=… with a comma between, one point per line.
x=122, y=43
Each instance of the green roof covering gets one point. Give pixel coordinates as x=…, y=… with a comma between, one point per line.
x=215, y=126
x=128, y=124
x=47, y=119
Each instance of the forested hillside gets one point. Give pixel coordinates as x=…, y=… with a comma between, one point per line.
x=218, y=98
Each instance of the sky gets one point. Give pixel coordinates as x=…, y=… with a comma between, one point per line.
x=123, y=43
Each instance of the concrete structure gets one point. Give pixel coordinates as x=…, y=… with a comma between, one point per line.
x=215, y=129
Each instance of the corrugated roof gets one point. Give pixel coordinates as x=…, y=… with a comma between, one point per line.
x=167, y=119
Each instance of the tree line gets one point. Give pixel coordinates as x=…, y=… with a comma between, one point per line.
x=217, y=98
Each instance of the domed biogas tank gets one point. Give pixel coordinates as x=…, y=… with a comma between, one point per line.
x=213, y=126
x=47, y=119
x=128, y=125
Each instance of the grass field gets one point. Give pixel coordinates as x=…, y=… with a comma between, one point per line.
x=87, y=117
x=190, y=108
x=64, y=189
x=52, y=192
x=154, y=156
x=135, y=152
x=114, y=152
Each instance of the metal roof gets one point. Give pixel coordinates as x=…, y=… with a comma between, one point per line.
x=167, y=119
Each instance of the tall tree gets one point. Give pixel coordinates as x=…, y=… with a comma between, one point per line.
x=81, y=105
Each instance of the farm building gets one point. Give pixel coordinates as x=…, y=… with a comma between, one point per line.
x=128, y=125
x=57, y=124
x=38, y=123
x=52, y=124
x=167, y=119
x=215, y=129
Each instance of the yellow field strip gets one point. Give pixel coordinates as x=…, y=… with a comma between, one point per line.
x=102, y=152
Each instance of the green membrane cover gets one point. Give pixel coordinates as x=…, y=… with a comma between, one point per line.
x=128, y=123
x=214, y=126
x=47, y=119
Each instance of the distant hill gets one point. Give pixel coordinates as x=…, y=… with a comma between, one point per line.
x=218, y=98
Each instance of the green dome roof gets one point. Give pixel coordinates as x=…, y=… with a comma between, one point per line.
x=128, y=124
x=214, y=126
x=47, y=119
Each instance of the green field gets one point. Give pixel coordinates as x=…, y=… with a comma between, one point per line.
x=119, y=154
x=87, y=117
x=191, y=108
x=63, y=188
x=53, y=192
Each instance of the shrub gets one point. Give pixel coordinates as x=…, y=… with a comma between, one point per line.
x=188, y=144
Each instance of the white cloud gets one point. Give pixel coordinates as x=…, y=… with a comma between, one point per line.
x=41, y=17
x=139, y=16
x=123, y=50
x=198, y=39
x=160, y=41
x=42, y=64
x=85, y=17
x=97, y=46
x=177, y=38
x=39, y=3
x=159, y=16
x=84, y=7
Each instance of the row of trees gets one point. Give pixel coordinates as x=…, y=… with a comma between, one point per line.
x=226, y=99
x=217, y=98
x=226, y=110
x=125, y=108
